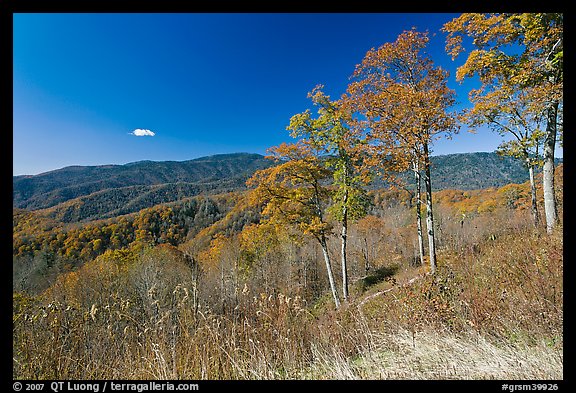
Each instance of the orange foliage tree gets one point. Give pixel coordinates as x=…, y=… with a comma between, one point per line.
x=519, y=61
x=404, y=102
x=295, y=193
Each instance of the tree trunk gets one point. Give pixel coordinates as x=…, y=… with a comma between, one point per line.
x=429, y=215
x=535, y=216
x=194, y=268
x=322, y=241
x=419, y=211
x=366, y=261
x=343, y=251
x=548, y=171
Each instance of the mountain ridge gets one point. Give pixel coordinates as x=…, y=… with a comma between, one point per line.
x=83, y=193
x=51, y=188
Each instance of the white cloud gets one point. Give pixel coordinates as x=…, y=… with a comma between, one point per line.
x=141, y=132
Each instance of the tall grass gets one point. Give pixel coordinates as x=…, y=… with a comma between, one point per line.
x=494, y=310
x=439, y=355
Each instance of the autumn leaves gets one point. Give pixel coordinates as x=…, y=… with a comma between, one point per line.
x=397, y=104
x=518, y=59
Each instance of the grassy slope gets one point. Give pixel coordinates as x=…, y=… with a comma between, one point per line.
x=493, y=310
x=490, y=313
x=495, y=313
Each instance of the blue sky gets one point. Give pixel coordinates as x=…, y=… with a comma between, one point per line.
x=202, y=83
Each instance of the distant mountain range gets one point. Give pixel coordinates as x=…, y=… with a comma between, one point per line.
x=139, y=183
x=79, y=193
x=473, y=171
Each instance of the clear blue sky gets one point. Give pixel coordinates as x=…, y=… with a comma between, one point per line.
x=202, y=83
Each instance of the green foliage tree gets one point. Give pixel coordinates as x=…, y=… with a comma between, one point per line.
x=331, y=135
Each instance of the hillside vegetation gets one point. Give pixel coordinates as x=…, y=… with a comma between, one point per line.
x=118, y=185
x=237, y=302
x=77, y=194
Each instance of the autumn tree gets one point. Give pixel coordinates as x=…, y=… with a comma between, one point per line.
x=507, y=111
x=295, y=193
x=504, y=105
x=404, y=100
x=519, y=54
x=368, y=232
x=341, y=147
x=260, y=248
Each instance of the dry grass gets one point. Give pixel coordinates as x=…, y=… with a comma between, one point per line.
x=439, y=355
x=491, y=312
x=510, y=287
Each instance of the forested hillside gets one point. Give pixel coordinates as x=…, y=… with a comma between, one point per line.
x=203, y=279
x=53, y=246
x=474, y=171
x=90, y=193
x=118, y=185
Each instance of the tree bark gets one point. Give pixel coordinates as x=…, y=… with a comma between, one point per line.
x=366, y=261
x=419, y=212
x=429, y=215
x=322, y=240
x=548, y=172
x=343, y=235
x=535, y=216
x=329, y=270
